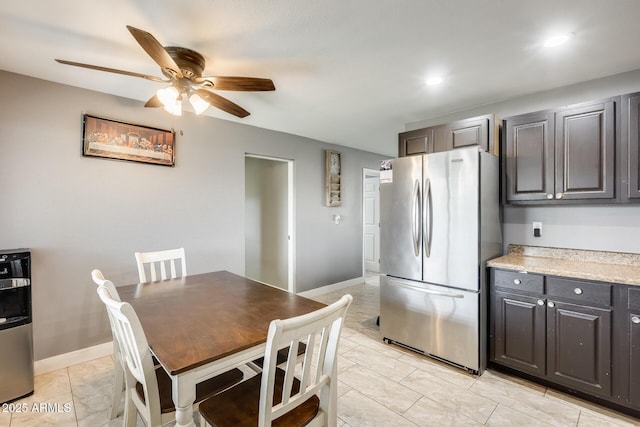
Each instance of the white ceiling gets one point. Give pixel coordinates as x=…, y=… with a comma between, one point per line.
x=348, y=72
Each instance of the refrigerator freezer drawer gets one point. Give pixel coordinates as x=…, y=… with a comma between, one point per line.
x=440, y=321
x=16, y=367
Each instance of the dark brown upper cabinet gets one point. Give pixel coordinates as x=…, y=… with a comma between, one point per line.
x=478, y=131
x=419, y=141
x=562, y=154
x=530, y=157
x=630, y=155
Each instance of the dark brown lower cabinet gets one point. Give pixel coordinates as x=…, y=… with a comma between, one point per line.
x=579, y=347
x=568, y=344
x=634, y=362
x=519, y=332
x=579, y=335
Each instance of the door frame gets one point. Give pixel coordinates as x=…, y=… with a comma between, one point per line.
x=291, y=246
x=366, y=172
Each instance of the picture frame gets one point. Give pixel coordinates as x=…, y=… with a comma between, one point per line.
x=118, y=140
x=333, y=178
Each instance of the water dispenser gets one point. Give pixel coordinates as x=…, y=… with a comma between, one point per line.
x=16, y=333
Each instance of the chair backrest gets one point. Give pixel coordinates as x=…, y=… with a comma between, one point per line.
x=160, y=259
x=320, y=330
x=99, y=280
x=135, y=353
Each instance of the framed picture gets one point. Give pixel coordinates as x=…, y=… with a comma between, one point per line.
x=124, y=141
x=333, y=180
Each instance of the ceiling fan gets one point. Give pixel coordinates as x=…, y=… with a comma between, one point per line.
x=183, y=69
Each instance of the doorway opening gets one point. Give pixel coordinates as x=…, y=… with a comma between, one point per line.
x=269, y=218
x=370, y=221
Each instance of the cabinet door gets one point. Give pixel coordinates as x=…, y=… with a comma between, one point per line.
x=463, y=133
x=579, y=347
x=634, y=365
x=631, y=154
x=585, y=147
x=529, y=157
x=419, y=141
x=518, y=332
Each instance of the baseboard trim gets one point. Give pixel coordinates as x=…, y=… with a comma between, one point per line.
x=331, y=288
x=72, y=358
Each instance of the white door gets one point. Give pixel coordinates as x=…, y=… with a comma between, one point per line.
x=371, y=208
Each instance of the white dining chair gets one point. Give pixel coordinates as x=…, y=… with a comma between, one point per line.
x=300, y=394
x=148, y=388
x=161, y=260
x=118, y=363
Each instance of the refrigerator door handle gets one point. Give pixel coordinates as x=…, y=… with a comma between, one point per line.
x=428, y=218
x=424, y=290
x=416, y=214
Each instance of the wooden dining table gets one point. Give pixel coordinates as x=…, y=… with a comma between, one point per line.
x=202, y=325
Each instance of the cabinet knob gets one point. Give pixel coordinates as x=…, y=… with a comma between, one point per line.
x=549, y=196
x=551, y=304
x=635, y=319
x=559, y=195
x=517, y=281
x=577, y=291
x=540, y=302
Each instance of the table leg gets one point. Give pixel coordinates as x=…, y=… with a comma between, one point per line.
x=183, y=389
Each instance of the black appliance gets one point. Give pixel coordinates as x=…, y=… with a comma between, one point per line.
x=16, y=333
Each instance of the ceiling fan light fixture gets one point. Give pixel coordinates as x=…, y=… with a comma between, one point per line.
x=184, y=67
x=168, y=96
x=174, y=108
x=198, y=104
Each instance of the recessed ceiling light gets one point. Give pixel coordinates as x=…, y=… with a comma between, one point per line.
x=558, y=39
x=433, y=81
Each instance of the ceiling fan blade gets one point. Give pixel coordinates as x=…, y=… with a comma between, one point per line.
x=222, y=103
x=153, y=102
x=156, y=51
x=248, y=84
x=112, y=70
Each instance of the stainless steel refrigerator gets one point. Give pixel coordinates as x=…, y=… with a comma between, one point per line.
x=439, y=224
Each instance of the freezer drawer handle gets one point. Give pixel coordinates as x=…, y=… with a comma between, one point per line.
x=415, y=211
x=426, y=291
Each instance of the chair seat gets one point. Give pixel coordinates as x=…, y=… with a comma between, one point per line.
x=238, y=406
x=203, y=390
x=283, y=354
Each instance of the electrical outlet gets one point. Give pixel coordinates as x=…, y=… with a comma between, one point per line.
x=537, y=229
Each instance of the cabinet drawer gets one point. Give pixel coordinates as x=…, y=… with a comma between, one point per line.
x=634, y=298
x=520, y=281
x=579, y=291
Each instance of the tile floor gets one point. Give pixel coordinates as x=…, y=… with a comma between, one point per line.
x=379, y=385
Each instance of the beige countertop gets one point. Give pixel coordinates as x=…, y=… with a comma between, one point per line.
x=614, y=267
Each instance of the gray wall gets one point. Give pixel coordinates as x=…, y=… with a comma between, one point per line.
x=79, y=213
x=606, y=228
x=610, y=228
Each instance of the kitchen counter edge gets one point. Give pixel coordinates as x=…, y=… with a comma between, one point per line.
x=605, y=269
